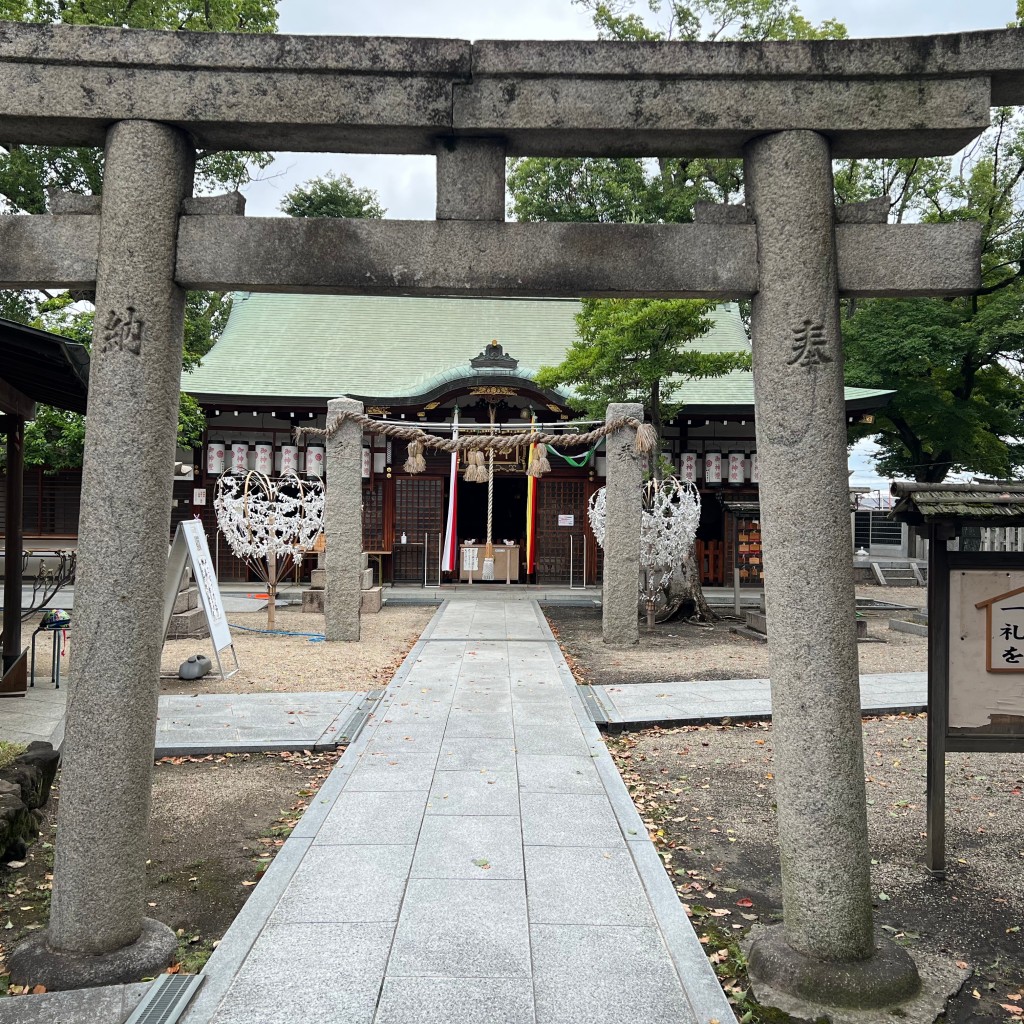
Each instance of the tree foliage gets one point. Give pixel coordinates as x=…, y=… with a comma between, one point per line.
x=27, y=173
x=333, y=195
x=637, y=350
x=955, y=365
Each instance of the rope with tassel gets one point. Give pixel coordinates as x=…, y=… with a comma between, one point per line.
x=476, y=444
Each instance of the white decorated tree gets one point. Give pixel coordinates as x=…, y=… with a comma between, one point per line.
x=668, y=529
x=270, y=524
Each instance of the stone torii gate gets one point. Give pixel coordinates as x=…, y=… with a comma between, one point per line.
x=152, y=99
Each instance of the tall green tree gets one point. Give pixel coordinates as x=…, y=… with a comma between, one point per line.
x=955, y=365
x=27, y=173
x=333, y=195
x=638, y=350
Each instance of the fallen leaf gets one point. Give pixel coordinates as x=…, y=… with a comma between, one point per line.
x=744, y=902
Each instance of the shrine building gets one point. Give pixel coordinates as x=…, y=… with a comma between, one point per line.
x=430, y=361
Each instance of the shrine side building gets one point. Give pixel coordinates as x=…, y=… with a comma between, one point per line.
x=428, y=360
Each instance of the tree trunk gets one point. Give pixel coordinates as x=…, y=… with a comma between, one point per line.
x=684, y=587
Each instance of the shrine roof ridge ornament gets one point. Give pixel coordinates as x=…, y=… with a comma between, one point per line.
x=918, y=96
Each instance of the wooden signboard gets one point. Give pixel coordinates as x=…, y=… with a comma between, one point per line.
x=975, y=666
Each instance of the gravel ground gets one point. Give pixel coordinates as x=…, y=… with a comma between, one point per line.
x=679, y=651
x=707, y=794
x=287, y=663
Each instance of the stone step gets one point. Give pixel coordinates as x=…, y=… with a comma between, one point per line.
x=190, y=625
x=903, y=626
x=318, y=579
x=757, y=621
x=366, y=578
x=370, y=600
x=186, y=600
x=313, y=601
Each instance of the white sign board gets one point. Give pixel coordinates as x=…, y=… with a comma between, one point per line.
x=471, y=559
x=190, y=548
x=567, y=520
x=199, y=496
x=986, y=646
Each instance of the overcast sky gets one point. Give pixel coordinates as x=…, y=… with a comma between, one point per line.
x=406, y=184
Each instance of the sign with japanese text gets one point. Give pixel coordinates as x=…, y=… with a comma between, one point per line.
x=564, y=520
x=986, y=650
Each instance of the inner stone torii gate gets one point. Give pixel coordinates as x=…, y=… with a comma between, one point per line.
x=787, y=109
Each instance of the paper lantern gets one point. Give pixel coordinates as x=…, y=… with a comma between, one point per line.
x=264, y=458
x=315, y=461
x=289, y=459
x=736, y=468
x=240, y=457
x=712, y=467
x=688, y=467
x=754, y=477
x=215, y=458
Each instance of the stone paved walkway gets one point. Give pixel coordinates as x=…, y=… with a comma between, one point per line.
x=473, y=859
x=206, y=723
x=713, y=700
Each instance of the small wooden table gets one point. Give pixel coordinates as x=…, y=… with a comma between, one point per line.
x=506, y=563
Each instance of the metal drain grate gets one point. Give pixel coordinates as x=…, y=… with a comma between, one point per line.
x=166, y=999
x=353, y=725
x=593, y=705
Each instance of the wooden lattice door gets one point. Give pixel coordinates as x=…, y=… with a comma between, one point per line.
x=419, y=514
x=560, y=549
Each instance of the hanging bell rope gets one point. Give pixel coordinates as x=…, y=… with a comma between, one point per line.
x=477, y=444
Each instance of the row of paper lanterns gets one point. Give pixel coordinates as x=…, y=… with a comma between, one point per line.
x=240, y=458
x=712, y=465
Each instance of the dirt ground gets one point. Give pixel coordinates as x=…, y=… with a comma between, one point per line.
x=707, y=795
x=215, y=827
x=286, y=664
x=677, y=651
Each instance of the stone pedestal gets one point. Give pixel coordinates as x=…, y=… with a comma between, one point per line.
x=343, y=524
x=313, y=600
x=805, y=520
x=620, y=624
x=188, y=620
x=97, y=932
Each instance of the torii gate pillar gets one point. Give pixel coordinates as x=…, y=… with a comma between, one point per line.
x=826, y=949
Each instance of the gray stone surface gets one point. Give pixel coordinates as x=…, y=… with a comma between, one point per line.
x=35, y=962
x=229, y=204
x=65, y=84
x=471, y=179
x=109, y=1004
x=801, y=441
x=619, y=621
x=456, y=1001
x=464, y=947
x=49, y=252
x=454, y=928
x=703, y=260
x=101, y=849
x=577, y=885
x=331, y=972
x=343, y=524
x=704, y=701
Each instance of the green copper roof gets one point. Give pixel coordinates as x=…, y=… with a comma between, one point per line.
x=324, y=346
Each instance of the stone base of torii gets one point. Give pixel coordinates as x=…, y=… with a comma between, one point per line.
x=787, y=109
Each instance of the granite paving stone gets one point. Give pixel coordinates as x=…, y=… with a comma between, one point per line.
x=557, y=819
x=349, y=884
x=471, y=834
x=479, y=791
x=309, y=972
x=454, y=928
x=475, y=846
x=373, y=818
x=456, y=1001
x=581, y=885
x=558, y=773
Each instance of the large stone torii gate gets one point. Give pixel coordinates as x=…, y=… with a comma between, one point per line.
x=788, y=109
